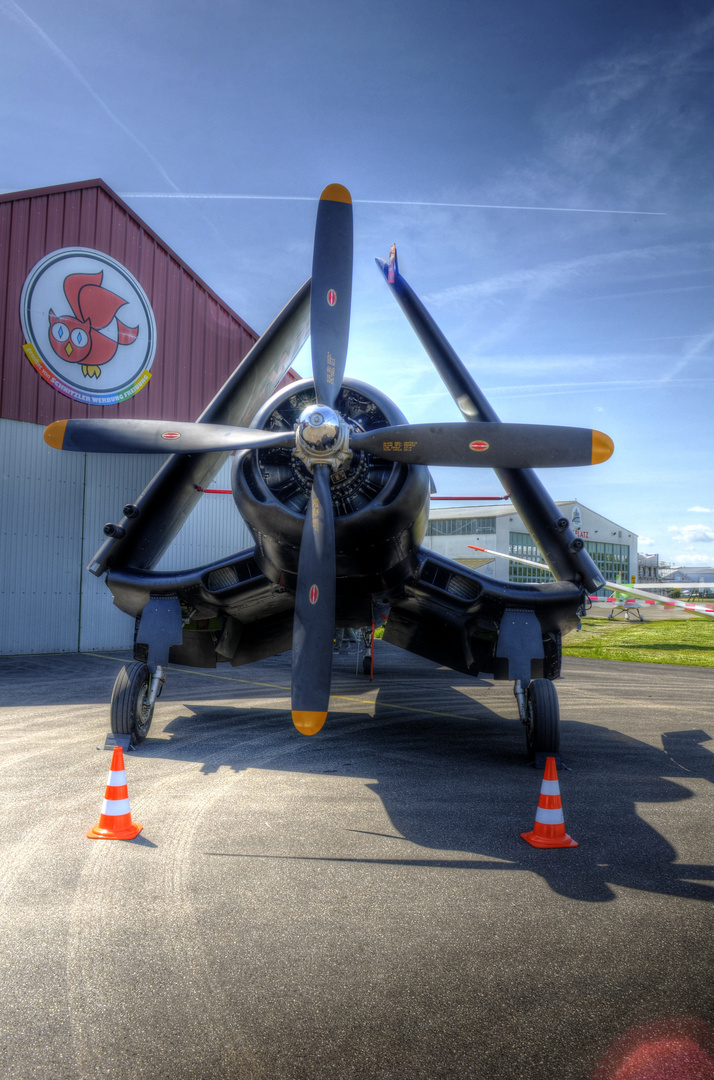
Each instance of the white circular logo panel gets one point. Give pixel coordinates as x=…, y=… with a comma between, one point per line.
x=89, y=328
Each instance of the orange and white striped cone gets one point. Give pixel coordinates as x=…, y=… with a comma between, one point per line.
x=115, y=819
x=549, y=829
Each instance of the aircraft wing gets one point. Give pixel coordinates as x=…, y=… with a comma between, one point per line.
x=445, y=612
x=236, y=613
x=171, y=495
x=563, y=551
x=458, y=617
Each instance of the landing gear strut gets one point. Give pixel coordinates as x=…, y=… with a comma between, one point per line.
x=539, y=710
x=367, y=641
x=133, y=698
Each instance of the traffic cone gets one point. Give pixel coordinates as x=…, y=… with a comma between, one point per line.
x=549, y=829
x=115, y=819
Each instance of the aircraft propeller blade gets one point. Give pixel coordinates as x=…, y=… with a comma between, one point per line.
x=527, y=492
x=491, y=445
x=158, y=437
x=331, y=293
x=314, y=619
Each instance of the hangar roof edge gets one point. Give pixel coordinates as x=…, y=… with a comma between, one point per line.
x=84, y=185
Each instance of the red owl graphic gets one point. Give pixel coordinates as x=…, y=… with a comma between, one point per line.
x=78, y=337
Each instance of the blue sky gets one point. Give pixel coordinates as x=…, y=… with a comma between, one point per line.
x=544, y=166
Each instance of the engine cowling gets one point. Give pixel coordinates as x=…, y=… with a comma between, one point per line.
x=380, y=507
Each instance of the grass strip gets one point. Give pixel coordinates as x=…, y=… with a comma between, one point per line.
x=669, y=641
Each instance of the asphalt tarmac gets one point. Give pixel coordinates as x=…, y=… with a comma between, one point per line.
x=358, y=904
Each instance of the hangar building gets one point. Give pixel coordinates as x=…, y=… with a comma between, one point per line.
x=98, y=318
x=612, y=547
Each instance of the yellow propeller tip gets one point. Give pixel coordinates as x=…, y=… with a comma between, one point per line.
x=54, y=434
x=603, y=447
x=336, y=193
x=308, y=723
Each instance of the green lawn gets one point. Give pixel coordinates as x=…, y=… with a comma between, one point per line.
x=670, y=641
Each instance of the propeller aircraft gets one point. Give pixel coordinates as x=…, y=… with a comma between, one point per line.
x=333, y=484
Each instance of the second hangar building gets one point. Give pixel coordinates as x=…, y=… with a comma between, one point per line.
x=612, y=547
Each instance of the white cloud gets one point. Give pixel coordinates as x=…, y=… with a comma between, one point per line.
x=533, y=283
x=520, y=291
x=693, y=560
x=613, y=114
x=692, y=534
x=700, y=510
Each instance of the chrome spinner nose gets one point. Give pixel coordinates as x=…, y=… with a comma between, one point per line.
x=319, y=427
x=322, y=438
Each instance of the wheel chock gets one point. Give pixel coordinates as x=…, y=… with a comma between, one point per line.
x=113, y=740
x=115, y=819
x=549, y=829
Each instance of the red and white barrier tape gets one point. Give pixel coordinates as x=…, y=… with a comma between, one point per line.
x=615, y=585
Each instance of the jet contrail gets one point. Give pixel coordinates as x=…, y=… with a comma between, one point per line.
x=386, y=202
x=703, y=342
x=13, y=10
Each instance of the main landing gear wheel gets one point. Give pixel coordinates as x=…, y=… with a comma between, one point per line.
x=542, y=719
x=367, y=665
x=131, y=712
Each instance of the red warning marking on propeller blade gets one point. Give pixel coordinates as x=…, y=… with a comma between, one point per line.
x=478, y=445
x=170, y=435
x=332, y=297
x=314, y=593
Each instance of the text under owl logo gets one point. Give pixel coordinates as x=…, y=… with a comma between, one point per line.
x=89, y=327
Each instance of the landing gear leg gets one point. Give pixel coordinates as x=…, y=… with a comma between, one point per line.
x=368, y=645
x=139, y=684
x=542, y=719
x=520, y=694
x=133, y=699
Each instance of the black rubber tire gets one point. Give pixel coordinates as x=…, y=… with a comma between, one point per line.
x=542, y=719
x=367, y=665
x=130, y=715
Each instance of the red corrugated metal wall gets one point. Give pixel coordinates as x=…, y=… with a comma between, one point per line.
x=199, y=339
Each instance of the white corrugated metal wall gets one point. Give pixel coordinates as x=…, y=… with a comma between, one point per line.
x=215, y=529
x=40, y=536
x=53, y=509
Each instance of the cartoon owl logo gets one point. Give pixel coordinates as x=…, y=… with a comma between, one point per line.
x=79, y=338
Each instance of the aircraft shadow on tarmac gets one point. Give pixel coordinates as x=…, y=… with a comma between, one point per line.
x=459, y=785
